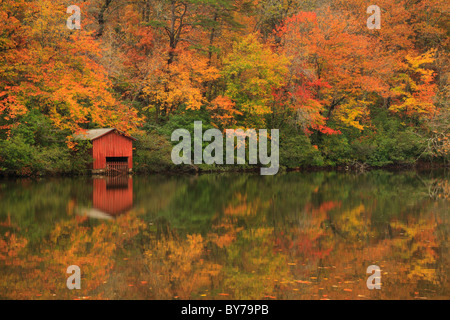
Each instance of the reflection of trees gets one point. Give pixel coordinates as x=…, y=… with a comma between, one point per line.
x=293, y=236
x=436, y=187
x=439, y=189
x=29, y=275
x=419, y=237
x=33, y=205
x=180, y=266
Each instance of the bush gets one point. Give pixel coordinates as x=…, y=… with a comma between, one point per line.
x=152, y=153
x=20, y=158
x=296, y=150
x=390, y=143
x=335, y=149
x=35, y=147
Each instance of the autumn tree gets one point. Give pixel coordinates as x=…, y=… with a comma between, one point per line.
x=58, y=73
x=334, y=69
x=251, y=72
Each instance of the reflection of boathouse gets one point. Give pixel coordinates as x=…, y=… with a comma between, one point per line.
x=111, y=196
x=112, y=150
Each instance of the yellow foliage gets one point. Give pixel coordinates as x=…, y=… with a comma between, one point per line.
x=181, y=82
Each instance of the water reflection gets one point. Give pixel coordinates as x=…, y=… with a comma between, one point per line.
x=234, y=236
x=111, y=196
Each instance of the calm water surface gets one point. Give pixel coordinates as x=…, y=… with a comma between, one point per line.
x=234, y=236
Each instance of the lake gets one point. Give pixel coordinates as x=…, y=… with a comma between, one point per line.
x=296, y=235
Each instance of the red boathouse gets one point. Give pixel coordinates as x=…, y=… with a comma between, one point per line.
x=112, y=150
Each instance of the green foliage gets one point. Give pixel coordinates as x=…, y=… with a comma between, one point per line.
x=36, y=147
x=392, y=142
x=152, y=153
x=388, y=141
x=184, y=119
x=296, y=151
x=335, y=149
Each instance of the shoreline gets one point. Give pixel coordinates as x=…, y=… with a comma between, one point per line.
x=195, y=170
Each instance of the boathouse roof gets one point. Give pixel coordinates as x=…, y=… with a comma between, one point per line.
x=93, y=134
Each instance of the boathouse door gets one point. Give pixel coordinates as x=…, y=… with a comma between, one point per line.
x=116, y=165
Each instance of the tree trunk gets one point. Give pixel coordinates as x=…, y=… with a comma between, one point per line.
x=101, y=18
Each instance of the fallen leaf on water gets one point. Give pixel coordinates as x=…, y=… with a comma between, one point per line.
x=301, y=281
x=348, y=290
x=224, y=294
x=144, y=282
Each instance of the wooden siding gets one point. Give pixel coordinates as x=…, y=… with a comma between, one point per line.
x=111, y=145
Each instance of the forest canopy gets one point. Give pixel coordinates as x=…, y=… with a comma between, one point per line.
x=339, y=92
